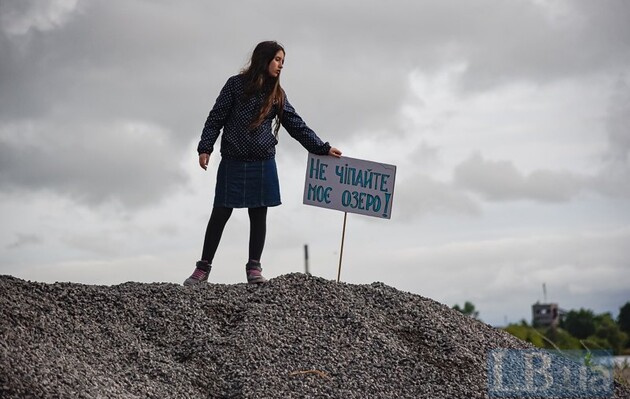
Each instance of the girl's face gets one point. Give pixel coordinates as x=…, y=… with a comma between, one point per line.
x=275, y=66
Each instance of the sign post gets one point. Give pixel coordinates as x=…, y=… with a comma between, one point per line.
x=349, y=185
x=343, y=238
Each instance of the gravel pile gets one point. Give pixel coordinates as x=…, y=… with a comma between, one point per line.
x=295, y=337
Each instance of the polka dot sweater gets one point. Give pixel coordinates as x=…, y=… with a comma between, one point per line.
x=234, y=114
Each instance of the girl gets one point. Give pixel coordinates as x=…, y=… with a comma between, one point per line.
x=247, y=175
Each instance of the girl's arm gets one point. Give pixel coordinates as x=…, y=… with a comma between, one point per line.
x=298, y=129
x=216, y=118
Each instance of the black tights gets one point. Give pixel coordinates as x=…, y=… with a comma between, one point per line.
x=214, y=231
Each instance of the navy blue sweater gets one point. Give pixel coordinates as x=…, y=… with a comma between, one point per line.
x=234, y=113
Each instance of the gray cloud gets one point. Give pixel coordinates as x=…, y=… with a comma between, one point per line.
x=19, y=17
x=425, y=156
x=363, y=60
x=500, y=41
x=502, y=181
x=614, y=177
x=131, y=163
x=92, y=63
x=527, y=41
x=419, y=195
x=361, y=52
x=618, y=123
x=23, y=240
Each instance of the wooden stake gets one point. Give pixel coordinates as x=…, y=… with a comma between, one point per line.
x=343, y=238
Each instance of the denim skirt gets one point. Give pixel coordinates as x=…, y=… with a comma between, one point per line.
x=245, y=184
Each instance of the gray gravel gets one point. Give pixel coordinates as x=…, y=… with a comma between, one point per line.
x=295, y=337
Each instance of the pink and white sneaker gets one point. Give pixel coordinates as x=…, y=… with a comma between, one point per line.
x=200, y=275
x=254, y=273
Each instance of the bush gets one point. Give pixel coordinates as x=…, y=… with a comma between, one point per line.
x=562, y=339
x=526, y=333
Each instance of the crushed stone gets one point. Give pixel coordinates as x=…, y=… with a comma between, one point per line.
x=297, y=336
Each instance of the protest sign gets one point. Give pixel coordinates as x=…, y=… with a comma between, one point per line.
x=350, y=185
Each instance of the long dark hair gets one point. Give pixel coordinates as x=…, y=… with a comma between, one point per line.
x=257, y=80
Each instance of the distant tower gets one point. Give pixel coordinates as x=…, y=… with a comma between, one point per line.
x=546, y=314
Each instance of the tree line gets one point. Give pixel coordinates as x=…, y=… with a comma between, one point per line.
x=578, y=329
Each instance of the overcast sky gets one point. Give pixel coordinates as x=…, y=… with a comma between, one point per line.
x=508, y=121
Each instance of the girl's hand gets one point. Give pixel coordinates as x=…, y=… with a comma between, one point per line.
x=334, y=152
x=203, y=160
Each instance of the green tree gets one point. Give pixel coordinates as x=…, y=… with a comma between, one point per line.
x=468, y=310
x=580, y=324
x=607, y=334
x=623, y=320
